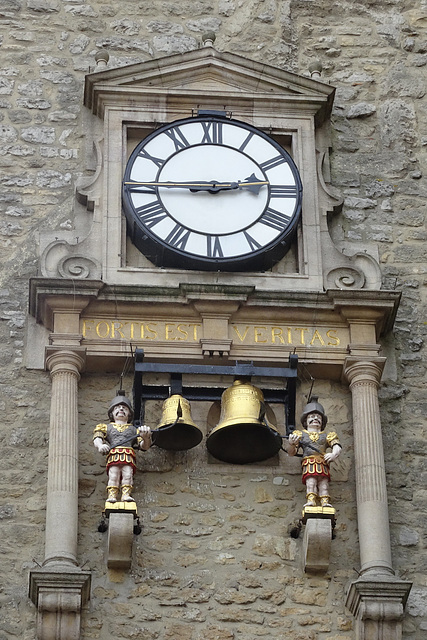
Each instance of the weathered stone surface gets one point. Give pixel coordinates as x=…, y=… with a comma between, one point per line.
x=217, y=546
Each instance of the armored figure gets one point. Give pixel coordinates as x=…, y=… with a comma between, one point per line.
x=315, y=461
x=119, y=440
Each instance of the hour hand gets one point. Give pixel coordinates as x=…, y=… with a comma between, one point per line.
x=252, y=184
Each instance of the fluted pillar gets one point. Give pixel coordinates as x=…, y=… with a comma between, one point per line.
x=371, y=492
x=60, y=588
x=62, y=481
x=377, y=598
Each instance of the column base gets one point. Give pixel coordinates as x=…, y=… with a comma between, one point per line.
x=59, y=595
x=377, y=602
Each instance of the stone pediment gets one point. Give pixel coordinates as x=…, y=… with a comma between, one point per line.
x=207, y=72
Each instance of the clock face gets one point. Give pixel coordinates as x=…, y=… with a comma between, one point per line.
x=211, y=193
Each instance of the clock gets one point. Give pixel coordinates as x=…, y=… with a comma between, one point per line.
x=211, y=193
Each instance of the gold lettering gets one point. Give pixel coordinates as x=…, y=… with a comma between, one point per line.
x=337, y=340
x=302, y=333
x=148, y=328
x=317, y=336
x=241, y=338
x=86, y=328
x=258, y=334
x=195, y=326
x=277, y=332
x=183, y=332
x=168, y=331
x=117, y=326
x=289, y=335
x=107, y=329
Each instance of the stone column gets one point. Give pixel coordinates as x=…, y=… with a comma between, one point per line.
x=60, y=588
x=62, y=479
x=377, y=598
x=371, y=492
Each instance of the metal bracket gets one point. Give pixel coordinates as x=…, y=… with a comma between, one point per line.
x=143, y=392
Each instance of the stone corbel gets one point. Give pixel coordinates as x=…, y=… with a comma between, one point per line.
x=59, y=596
x=317, y=543
x=121, y=519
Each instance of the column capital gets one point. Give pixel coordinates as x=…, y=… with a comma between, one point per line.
x=65, y=359
x=363, y=369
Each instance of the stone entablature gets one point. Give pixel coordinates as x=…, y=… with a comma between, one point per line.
x=189, y=324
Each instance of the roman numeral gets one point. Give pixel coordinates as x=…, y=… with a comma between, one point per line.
x=178, y=138
x=283, y=191
x=275, y=219
x=178, y=237
x=273, y=162
x=246, y=141
x=212, y=132
x=146, y=156
x=252, y=242
x=151, y=213
x=214, y=247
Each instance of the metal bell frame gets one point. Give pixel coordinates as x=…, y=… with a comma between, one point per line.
x=143, y=392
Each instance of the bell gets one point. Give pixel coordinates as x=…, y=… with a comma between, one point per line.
x=176, y=431
x=243, y=433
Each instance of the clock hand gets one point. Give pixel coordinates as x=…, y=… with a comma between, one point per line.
x=251, y=183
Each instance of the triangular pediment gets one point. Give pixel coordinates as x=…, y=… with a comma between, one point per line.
x=204, y=71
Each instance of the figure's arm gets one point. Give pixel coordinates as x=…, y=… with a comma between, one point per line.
x=334, y=443
x=294, y=440
x=99, y=440
x=144, y=437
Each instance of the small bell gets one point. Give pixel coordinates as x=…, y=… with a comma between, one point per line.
x=176, y=431
x=243, y=433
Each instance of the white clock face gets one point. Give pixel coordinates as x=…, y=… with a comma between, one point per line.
x=210, y=193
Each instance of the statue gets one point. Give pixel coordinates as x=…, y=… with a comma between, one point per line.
x=118, y=440
x=315, y=461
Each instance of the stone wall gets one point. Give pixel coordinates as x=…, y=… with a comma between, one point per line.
x=215, y=559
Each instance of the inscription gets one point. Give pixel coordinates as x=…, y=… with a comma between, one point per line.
x=191, y=332
x=134, y=330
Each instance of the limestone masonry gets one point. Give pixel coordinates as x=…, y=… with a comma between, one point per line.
x=218, y=557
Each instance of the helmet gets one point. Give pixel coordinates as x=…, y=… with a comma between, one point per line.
x=120, y=399
x=314, y=406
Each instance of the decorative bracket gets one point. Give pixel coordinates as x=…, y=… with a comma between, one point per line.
x=121, y=516
x=320, y=523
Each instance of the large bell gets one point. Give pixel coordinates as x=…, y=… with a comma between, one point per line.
x=176, y=431
x=243, y=433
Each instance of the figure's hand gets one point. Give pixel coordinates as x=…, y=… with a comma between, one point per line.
x=144, y=433
x=144, y=430
x=333, y=455
x=102, y=447
x=293, y=439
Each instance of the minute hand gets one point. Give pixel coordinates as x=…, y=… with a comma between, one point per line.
x=213, y=186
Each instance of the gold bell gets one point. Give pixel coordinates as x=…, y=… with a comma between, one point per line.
x=243, y=433
x=176, y=431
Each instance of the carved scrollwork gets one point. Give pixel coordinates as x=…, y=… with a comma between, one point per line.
x=361, y=272
x=78, y=266
x=345, y=278
x=59, y=260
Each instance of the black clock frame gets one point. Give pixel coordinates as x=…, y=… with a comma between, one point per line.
x=163, y=255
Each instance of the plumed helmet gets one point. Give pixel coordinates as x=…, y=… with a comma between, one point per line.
x=314, y=406
x=120, y=399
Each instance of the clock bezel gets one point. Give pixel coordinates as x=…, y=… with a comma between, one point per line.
x=162, y=254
